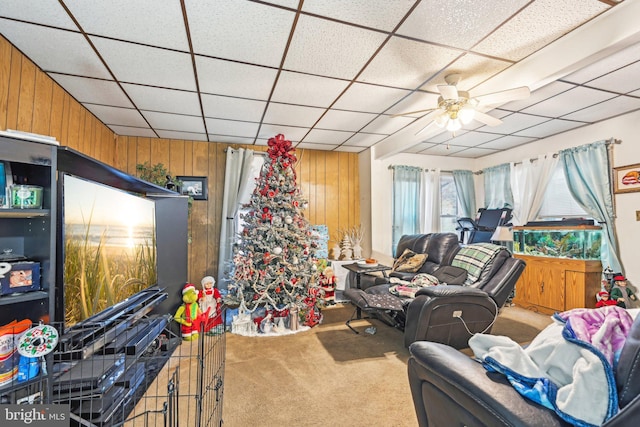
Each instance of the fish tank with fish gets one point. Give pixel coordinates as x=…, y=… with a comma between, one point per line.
x=574, y=243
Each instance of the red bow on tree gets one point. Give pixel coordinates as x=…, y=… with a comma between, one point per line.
x=281, y=148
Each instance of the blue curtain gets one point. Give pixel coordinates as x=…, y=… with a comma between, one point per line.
x=586, y=169
x=497, y=187
x=406, y=202
x=463, y=180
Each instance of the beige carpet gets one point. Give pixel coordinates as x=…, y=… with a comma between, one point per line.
x=329, y=376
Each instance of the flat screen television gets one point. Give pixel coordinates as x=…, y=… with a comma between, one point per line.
x=108, y=247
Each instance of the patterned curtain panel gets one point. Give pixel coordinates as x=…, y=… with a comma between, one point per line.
x=497, y=187
x=463, y=179
x=587, y=169
x=407, y=183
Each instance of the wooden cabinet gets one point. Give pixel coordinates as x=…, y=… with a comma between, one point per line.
x=557, y=284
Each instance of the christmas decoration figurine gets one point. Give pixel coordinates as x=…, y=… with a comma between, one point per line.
x=604, y=299
x=210, y=301
x=621, y=293
x=189, y=315
x=275, y=257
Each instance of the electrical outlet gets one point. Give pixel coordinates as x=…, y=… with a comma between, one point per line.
x=457, y=313
x=637, y=215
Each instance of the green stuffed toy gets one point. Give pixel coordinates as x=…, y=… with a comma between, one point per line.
x=189, y=314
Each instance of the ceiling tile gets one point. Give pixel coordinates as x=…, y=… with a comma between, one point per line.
x=507, y=142
x=230, y=139
x=318, y=47
x=474, y=153
x=307, y=146
x=188, y=136
x=305, y=89
x=443, y=150
x=455, y=23
x=132, y=131
x=369, y=98
x=417, y=101
x=117, y=116
x=368, y=13
x=549, y=128
x=420, y=147
x=623, y=80
x=93, y=91
x=362, y=139
x=225, y=107
x=163, y=100
x=610, y=63
x=406, y=63
x=350, y=149
x=73, y=54
x=47, y=12
x=387, y=125
x=133, y=21
x=232, y=128
x=152, y=66
x=471, y=139
x=515, y=122
x=235, y=29
x=291, y=133
x=568, y=102
x=345, y=120
x=606, y=110
x=177, y=122
x=292, y=115
x=544, y=22
x=321, y=136
x=230, y=78
x=473, y=69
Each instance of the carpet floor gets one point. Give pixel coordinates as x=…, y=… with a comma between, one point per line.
x=329, y=376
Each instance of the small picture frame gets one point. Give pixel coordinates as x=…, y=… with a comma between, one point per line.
x=626, y=179
x=194, y=186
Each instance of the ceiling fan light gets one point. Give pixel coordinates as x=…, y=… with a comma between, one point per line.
x=454, y=125
x=466, y=114
x=441, y=120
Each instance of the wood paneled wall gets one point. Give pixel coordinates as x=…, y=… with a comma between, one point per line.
x=328, y=180
x=31, y=101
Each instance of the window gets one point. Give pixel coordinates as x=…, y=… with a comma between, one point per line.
x=558, y=201
x=448, y=204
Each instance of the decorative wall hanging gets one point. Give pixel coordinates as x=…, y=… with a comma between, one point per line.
x=626, y=179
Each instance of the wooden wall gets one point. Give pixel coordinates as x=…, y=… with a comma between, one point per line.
x=30, y=101
x=328, y=180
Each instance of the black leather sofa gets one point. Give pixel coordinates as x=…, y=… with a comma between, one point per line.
x=446, y=314
x=451, y=389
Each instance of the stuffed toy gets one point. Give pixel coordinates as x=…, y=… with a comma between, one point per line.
x=327, y=282
x=621, y=293
x=604, y=300
x=210, y=301
x=189, y=314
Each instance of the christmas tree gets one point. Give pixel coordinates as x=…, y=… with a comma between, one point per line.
x=275, y=263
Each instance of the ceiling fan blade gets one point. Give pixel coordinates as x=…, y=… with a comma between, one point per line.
x=408, y=113
x=504, y=96
x=431, y=116
x=486, y=119
x=448, y=91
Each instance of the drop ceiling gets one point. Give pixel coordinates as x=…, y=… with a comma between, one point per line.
x=331, y=74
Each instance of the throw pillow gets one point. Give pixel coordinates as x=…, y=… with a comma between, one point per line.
x=476, y=259
x=409, y=262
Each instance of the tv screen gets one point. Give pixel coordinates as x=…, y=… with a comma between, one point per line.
x=109, y=247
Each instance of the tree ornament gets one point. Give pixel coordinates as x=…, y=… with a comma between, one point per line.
x=277, y=250
x=288, y=219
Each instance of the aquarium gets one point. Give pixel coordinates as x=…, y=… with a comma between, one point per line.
x=574, y=243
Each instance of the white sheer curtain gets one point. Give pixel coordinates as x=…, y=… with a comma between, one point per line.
x=237, y=177
x=431, y=221
x=529, y=181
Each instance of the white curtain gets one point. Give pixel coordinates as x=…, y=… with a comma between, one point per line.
x=431, y=220
x=529, y=181
x=236, y=178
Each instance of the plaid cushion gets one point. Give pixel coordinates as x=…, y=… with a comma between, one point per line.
x=474, y=258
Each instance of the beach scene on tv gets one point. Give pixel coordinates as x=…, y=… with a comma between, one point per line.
x=110, y=247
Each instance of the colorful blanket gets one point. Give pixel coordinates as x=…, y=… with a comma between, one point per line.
x=568, y=366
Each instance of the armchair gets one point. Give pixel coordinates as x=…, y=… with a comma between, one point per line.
x=449, y=388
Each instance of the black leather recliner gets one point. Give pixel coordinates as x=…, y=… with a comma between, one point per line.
x=446, y=314
x=451, y=389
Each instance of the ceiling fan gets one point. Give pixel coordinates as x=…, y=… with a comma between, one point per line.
x=456, y=107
